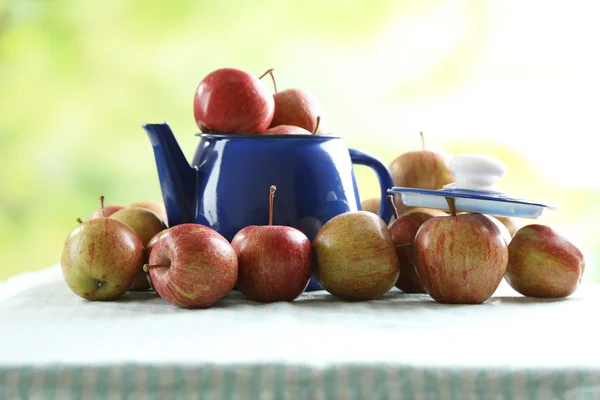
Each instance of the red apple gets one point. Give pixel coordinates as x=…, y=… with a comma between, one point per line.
x=460, y=258
x=297, y=107
x=423, y=169
x=402, y=233
x=543, y=263
x=431, y=211
x=274, y=262
x=142, y=281
x=192, y=266
x=505, y=232
x=229, y=100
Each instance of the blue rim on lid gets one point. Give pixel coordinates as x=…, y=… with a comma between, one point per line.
x=472, y=201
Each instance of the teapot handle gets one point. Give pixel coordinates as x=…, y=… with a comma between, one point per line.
x=386, y=181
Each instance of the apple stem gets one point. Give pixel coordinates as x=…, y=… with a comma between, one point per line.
x=148, y=267
x=79, y=220
x=317, y=124
x=451, y=205
x=403, y=245
x=390, y=199
x=102, y=205
x=271, y=196
x=270, y=72
x=422, y=140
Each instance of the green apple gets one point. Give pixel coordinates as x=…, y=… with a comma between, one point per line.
x=146, y=224
x=355, y=257
x=101, y=258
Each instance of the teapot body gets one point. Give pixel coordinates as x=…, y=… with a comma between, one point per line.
x=313, y=175
x=227, y=186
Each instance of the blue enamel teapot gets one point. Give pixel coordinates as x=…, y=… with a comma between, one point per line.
x=226, y=187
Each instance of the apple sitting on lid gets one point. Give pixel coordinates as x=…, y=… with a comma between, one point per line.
x=422, y=169
x=274, y=261
x=297, y=107
x=460, y=258
x=192, y=266
x=229, y=100
x=101, y=258
x=543, y=263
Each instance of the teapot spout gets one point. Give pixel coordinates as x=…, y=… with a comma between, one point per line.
x=177, y=178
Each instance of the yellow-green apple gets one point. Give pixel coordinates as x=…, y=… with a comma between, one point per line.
x=157, y=206
x=511, y=223
x=274, y=261
x=423, y=169
x=297, y=107
x=287, y=130
x=105, y=211
x=543, y=263
x=229, y=100
x=371, y=204
x=355, y=258
x=192, y=266
x=145, y=224
x=460, y=258
x=101, y=258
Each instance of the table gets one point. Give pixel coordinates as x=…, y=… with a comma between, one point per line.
x=56, y=345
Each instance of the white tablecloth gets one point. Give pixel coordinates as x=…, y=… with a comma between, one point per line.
x=54, y=344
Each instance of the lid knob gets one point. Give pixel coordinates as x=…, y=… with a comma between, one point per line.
x=476, y=172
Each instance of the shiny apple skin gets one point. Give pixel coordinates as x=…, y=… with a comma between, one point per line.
x=101, y=259
x=299, y=107
x=460, y=259
x=229, y=100
x=275, y=262
x=544, y=263
x=200, y=266
x=403, y=232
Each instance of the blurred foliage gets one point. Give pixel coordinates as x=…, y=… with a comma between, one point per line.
x=77, y=80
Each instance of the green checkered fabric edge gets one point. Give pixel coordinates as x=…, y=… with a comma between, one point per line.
x=292, y=382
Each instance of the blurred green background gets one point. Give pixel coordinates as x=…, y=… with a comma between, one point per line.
x=514, y=79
